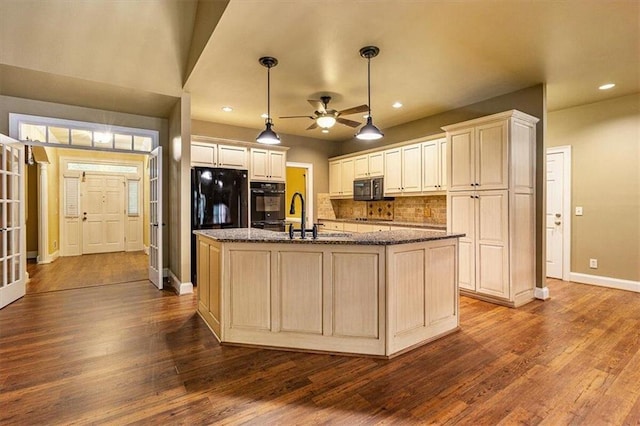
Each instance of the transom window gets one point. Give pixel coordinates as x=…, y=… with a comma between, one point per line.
x=79, y=134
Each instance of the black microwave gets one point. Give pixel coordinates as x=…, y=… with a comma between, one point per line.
x=368, y=189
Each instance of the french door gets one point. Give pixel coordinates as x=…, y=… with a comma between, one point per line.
x=155, y=217
x=12, y=221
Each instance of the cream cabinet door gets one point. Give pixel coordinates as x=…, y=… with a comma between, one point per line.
x=434, y=166
x=492, y=156
x=461, y=158
x=234, y=157
x=347, y=177
x=461, y=218
x=361, y=167
x=393, y=171
x=335, y=178
x=204, y=154
x=411, y=168
x=376, y=164
x=492, y=243
x=277, y=165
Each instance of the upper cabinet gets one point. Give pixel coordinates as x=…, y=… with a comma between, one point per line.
x=216, y=155
x=368, y=165
x=478, y=156
x=341, y=174
x=403, y=170
x=268, y=165
x=434, y=165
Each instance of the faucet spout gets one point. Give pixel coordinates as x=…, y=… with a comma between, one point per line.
x=303, y=213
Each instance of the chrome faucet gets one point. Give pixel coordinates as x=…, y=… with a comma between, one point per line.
x=303, y=213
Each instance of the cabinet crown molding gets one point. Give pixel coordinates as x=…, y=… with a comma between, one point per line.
x=200, y=139
x=514, y=113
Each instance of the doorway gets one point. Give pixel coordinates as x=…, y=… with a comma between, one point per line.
x=95, y=211
x=299, y=179
x=558, y=212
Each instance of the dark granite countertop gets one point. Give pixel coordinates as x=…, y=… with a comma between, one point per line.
x=390, y=223
x=252, y=235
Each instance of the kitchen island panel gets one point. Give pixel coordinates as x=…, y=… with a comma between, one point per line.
x=249, y=289
x=301, y=288
x=356, y=294
x=434, y=310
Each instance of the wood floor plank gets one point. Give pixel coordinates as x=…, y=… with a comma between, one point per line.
x=129, y=353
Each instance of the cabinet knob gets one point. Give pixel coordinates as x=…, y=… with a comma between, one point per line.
x=558, y=222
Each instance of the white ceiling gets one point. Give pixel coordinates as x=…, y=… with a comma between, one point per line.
x=132, y=56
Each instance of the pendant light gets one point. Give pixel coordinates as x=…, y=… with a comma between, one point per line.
x=369, y=132
x=268, y=136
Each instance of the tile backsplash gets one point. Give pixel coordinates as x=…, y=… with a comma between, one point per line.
x=430, y=209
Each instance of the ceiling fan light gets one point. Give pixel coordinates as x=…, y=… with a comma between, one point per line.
x=268, y=136
x=326, y=121
x=369, y=132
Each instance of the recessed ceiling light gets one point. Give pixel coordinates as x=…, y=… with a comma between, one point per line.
x=264, y=115
x=397, y=104
x=607, y=86
x=227, y=109
x=325, y=130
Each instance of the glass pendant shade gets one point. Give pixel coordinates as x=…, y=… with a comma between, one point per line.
x=268, y=136
x=369, y=132
x=326, y=121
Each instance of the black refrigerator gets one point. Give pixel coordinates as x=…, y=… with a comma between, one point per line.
x=219, y=199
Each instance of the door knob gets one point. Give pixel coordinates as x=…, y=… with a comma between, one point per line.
x=557, y=214
x=558, y=222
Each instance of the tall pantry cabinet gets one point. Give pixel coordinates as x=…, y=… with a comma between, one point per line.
x=491, y=199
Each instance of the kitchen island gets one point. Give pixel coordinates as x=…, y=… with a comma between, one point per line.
x=376, y=293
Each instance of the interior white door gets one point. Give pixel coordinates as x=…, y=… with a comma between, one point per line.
x=155, y=217
x=12, y=221
x=555, y=209
x=102, y=214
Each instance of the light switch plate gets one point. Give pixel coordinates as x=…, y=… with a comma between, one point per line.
x=578, y=211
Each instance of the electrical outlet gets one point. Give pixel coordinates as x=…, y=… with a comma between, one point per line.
x=593, y=263
x=578, y=211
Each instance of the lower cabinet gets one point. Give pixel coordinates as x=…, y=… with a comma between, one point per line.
x=496, y=253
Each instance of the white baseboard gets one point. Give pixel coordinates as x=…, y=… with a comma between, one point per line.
x=32, y=254
x=146, y=250
x=180, y=287
x=541, y=293
x=605, y=281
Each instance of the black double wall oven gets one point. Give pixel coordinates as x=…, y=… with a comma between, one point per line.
x=268, y=205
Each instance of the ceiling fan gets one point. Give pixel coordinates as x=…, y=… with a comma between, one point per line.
x=325, y=118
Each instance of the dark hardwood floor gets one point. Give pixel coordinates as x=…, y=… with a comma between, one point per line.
x=87, y=271
x=128, y=353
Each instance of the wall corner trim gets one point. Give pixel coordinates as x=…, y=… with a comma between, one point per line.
x=179, y=287
x=541, y=293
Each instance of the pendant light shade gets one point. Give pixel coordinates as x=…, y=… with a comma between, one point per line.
x=268, y=136
x=369, y=132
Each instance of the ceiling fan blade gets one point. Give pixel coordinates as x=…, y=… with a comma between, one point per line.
x=354, y=110
x=318, y=105
x=298, y=116
x=313, y=126
x=346, y=122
